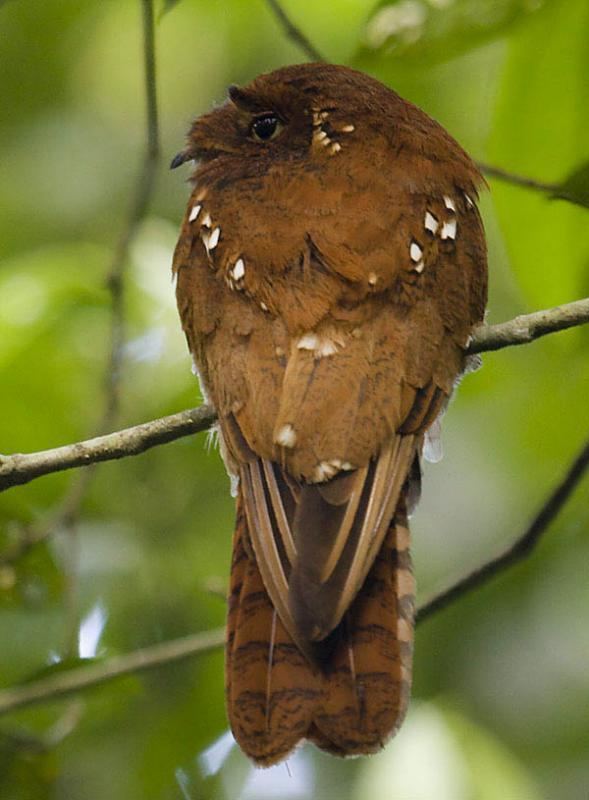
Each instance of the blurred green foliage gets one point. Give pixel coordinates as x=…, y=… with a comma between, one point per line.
x=501, y=683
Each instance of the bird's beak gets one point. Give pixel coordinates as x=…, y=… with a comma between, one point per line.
x=180, y=158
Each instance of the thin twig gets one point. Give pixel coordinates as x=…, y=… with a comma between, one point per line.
x=293, y=32
x=555, y=191
x=136, y=213
x=64, y=683
x=517, y=551
x=21, y=468
x=518, y=180
x=66, y=513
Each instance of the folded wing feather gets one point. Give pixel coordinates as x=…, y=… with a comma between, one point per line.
x=314, y=546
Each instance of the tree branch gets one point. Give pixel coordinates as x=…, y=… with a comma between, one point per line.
x=63, y=683
x=293, y=32
x=517, y=551
x=528, y=327
x=74, y=680
x=21, y=468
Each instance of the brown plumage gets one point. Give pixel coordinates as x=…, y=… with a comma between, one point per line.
x=330, y=269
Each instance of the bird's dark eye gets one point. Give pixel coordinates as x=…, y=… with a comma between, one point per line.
x=265, y=127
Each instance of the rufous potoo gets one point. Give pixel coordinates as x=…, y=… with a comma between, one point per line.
x=330, y=270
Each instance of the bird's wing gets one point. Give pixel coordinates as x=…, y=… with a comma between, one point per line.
x=326, y=376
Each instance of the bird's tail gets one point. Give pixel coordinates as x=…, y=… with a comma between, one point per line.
x=349, y=699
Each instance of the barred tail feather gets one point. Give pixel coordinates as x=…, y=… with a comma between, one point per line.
x=355, y=694
x=368, y=681
x=271, y=688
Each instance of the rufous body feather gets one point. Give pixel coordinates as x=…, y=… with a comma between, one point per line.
x=330, y=269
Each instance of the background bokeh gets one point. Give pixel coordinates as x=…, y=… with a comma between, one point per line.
x=501, y=697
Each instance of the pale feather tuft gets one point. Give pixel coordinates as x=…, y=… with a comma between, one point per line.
x=286, y=436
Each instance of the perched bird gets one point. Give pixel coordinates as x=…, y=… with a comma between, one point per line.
x=330, y=270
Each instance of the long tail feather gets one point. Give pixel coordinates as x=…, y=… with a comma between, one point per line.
x=271, y=687
x=354, y=694
x=368, y=680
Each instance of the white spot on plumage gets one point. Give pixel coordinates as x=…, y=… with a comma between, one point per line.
x=430, y=222
x=325, y=470
x=335, y=147
x=327, y=347
x=469, y=201
x=449, y=230
x=214, y=238
x=286, y=436
x=320, y=346
x=449, y=203
x=308, y=341
x=415, y=251
x=348, y=128
x=194, y=213
x=321, y=135
x=264, y=307
x=321, y=473
x=419, y=266
x=206, y=222
x=238, y=270
x=372, y=279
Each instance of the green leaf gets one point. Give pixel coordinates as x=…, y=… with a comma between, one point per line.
x=540, y=129
x=417, y=31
